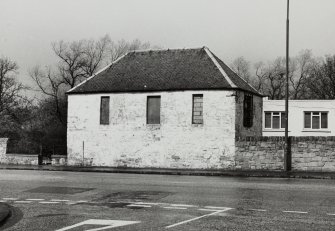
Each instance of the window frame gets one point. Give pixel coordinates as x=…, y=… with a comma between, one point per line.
x=315, y=114
x=202, y=109
x=147, y=109
x=281, y=117
x=103, y=122
x=248, y=111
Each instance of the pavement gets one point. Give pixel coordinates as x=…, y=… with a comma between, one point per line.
x=64, y=200
x=166, y=171
x=4, y=213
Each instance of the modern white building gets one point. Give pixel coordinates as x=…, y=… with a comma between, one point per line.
x=164, y=109
x=306, y=117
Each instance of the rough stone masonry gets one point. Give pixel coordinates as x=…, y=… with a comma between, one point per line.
x=128, y=141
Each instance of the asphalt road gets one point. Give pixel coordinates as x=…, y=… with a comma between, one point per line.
x=45, y=200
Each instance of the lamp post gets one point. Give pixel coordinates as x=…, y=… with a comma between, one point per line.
x=287, y=154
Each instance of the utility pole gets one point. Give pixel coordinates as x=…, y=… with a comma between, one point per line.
x=287, y=152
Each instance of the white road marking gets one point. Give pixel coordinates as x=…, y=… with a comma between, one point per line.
x=10, y=199
x=59, y=200
x=295, y=212
x=34, y=199
x=71, y=203
x=215, y=207
x=82, y=201
x=209, y=210
x=183, y=205
x=48, y=202
x=331, y=214
x=23, y=202
x=173, y=207
x=107, y=223
x=2, y=201
x=197, y=218
x=258, y=210
x=135, y=205
x=148, y=203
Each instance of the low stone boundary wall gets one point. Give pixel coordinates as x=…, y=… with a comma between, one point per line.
x=313, y=153
x=259, y=153
x=3, y=146
x=308, y=153
x=58, y=160
x=21, y=159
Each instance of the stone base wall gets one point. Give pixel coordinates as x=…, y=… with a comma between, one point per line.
x=21, y=159
x=308, y=153
x=259, y=153
x=313, y=153
x=3, y=146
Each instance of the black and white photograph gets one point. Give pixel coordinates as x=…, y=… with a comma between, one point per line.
x=176, y=115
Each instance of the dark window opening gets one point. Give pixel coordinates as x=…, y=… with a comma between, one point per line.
x=153, y=109
x=104, y=110
x=248, y=111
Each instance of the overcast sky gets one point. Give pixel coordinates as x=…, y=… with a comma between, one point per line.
x=254, y=29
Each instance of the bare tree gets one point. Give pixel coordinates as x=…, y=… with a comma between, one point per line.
x=79, y=59
x=50, y=85
x=258, y=81
x=10, y=88
x=300, y=71
x=117, y=49
x=321, y=82
x=268, y=79
x=242, y=67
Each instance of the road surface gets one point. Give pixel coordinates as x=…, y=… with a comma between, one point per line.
x=47, y=200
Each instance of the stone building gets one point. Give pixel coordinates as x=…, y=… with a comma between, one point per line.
x=162, y=109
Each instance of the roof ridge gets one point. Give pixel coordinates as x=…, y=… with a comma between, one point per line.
x=216, y=63
x=244, y=80
x=168, y=49
x=98, y=72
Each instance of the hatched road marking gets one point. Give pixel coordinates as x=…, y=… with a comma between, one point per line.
x=197, y=218
x=139, y=204
x=106, y=223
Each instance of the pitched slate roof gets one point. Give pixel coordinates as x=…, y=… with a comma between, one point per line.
x=164, y=70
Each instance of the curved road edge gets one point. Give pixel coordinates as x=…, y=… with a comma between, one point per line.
x=4, y=213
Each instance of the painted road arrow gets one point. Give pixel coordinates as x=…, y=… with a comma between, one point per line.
x=107, y=224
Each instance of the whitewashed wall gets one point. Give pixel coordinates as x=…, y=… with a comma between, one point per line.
x=129, y=142
x=296, y=116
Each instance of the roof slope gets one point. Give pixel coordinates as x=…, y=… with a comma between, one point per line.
x=164, y=70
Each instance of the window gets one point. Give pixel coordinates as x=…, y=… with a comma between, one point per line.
x=153, y=109
x=248, y=111
x=104, y=110
x=274, y=120
x=316, y=120
x=197, y=109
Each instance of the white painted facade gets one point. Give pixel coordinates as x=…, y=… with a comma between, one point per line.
x=174, y=143
x=297, y=109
